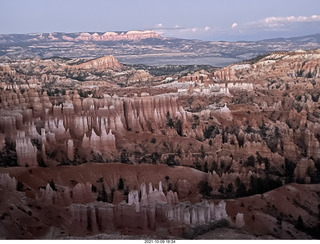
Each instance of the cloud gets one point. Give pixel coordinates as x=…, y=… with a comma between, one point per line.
x=271, y=27
x=192, y=32
x=275, y=22
x=268, y=27
x=187, y=32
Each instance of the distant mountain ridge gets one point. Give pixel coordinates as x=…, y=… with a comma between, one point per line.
x=79, y=36
x=145, y=47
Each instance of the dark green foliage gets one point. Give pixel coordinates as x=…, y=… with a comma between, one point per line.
x=93, y=188
x=256, y=59
x=214, y=167
x=173, y=123
x=8, y=156
x=170, y=187
x=170, y=123
x=299, y=225
x=313, y=231
x=155, y=157
x=277, y=132
x=121, y=184
x=204, y=188
x=241, y=188
x=205, y=167
x=261, y=160
x=221, y=189
x=259, y=185
x=309, y=75
x=203, y=153
x=179, y=127
x=300, y=73
x=289, y=170
x=241, y=191
x=103, y=196
x=315, y=97
x=314, y=173
x=169, y=120
x=41, y=162
x=19, y=186
x=198, y=166
x=170, y=160
x=317, y=164
x=249, y=129
x=100, y=180
x=271, y=137
x=112, y=194
x=195, y=117
x=73, y=183
x=210, y=132
x=52, y=185
x=124, y=157
x=3, y=216
x=126, y=191
x=78, y=159
x=240, y=140
x=168, y=70
x=229, y=188
x=250, y=161
x=279, y=220
x=196, y=121
x=224, y=136
x=256, y=185
x=96, y=157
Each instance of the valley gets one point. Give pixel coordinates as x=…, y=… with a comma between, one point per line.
x=93, y=145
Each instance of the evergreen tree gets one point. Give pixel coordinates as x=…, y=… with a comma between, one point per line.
x=20, y=186
x=299, y=225
x=104, y=196
x=52, y=185
x=121, y=184
x=204, y=188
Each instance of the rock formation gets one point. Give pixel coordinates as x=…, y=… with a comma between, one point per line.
x=113, y=36
x=7, y=182
x=292, y=64
x=107, y=62
x=26, y=152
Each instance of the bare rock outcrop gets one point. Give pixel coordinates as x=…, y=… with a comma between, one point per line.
x=113, y=36
x=107, y=62
x=7, y=182
x=292, y=64
x=26, y=152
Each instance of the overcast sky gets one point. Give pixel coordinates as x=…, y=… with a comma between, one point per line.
x=201, y=19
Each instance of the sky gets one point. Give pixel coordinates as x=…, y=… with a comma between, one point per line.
x=226, y=20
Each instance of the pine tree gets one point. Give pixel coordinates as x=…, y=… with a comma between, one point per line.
x=121, y=184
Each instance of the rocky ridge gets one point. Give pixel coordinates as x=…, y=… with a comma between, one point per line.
x=292, y=64
x=144, y=47
x=103, y=63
